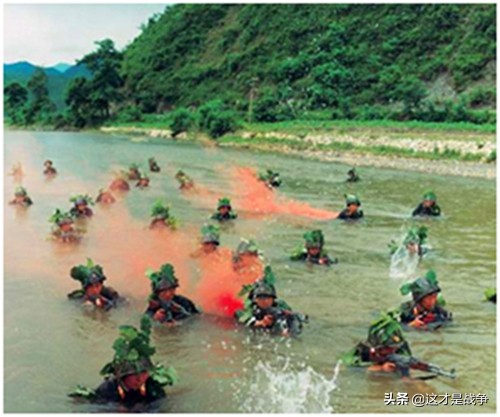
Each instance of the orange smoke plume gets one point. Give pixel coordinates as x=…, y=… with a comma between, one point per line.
x=258, y=198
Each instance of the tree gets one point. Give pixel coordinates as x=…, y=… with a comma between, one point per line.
x=40, y=108
x=15, y=97
x=79, y=103
x=104, y=86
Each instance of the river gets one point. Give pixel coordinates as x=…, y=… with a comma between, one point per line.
x=51, y=344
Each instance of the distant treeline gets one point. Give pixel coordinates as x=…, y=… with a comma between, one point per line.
x=275, y=62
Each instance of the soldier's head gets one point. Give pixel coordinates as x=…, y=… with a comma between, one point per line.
x=429, y=301
x=135, y=381
x=133, y=375
x=246, y=253
x=164, y=282
x=352, y=203
x=93, y=290
x=47, y=163
x=166, y=288
x=424, y=290
x=210, y=238
x=224, y=206
x=314, y=241
x=386, y=332
x=264, y=295
x=168, y=294
x=429, y=199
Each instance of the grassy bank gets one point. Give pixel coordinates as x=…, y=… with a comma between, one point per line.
x=416, y=140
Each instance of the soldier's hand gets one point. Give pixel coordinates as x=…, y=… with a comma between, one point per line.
x=389, y=367
x=268, y=320
x=159, y=315
x=417, y=323
x=170, y=323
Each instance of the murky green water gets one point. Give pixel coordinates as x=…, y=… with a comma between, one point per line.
x=51, y=345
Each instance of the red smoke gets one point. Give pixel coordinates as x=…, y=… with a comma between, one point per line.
x=220, y=283
x=258, y=198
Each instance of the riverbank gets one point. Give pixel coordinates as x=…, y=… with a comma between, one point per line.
x=445, y=149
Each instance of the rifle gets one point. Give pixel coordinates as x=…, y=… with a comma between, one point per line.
x=171, y=307
x=404, y=363
x=284, y=321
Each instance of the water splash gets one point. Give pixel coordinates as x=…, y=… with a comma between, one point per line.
x=403, y=264
x=287, y=388
x=256, y=197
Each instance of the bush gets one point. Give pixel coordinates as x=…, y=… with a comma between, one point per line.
x=269, y=108
x=480, y=97
x=371, y=113
x=130, y=114
x=182, y=121
x=216, y=119
x=492, y=157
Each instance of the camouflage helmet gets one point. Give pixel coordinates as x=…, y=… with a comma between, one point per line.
x=125, y=367
x=416, y=234
x=210, y=234
x=164, y=279
x=352, y=199
x=160, y=210
x=430, y=196
x=47, y=162
x=88, y=274
x=60, y=218
x=385, y=331
x=20, y=192
x=81, y=199
x=224, y=202
x=132, y=351
x=265, y=286
x=422, y=287
x=263, y=289
x=314, y=239
x=246, y=247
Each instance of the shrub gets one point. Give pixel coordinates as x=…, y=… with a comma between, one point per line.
x=182, y=121
x=130, y=114
x=216, y=119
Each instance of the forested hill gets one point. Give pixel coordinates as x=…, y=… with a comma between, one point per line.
x=314, y=56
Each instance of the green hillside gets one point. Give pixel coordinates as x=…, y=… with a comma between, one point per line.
x=355, y=60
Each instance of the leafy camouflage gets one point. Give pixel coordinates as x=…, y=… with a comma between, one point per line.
x=161, y=211
x=59, y=217
x=210, y=234
x=88, y=274
x=82, y=199
x=422, y=286
x=163, y=279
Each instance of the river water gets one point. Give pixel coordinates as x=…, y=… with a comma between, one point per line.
x=51, y=344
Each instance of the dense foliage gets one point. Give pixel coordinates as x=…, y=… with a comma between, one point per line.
x=431, y=62
x=220, y=63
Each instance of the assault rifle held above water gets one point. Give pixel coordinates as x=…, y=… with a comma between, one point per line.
x=170, y=308
x=404, y=363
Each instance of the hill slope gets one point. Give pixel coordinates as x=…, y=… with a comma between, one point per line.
x=21, y=72
x=317, y=56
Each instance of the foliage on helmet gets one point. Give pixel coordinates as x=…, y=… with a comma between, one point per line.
x=164, y=278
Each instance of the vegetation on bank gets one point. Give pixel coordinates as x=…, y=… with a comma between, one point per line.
x=295, y=68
